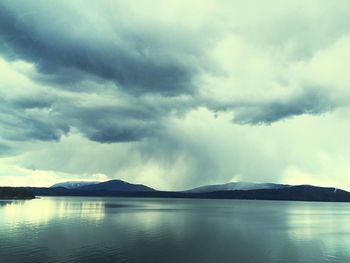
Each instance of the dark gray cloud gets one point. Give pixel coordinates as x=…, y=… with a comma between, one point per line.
x=17, y=124
x=32, y=102
x=310, y=101
x=138, y=72
x=33, y=119
x=137, y=62
x=109, y=124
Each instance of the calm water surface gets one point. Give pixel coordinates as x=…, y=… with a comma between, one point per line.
x=172, y=230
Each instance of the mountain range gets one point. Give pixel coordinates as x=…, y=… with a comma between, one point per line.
x=74, y=184
x=235, y=190
x=236, y=186
x=112, y=185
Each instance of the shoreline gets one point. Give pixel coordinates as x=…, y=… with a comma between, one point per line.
x=16, y=193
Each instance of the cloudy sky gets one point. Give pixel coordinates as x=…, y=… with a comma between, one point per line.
x=175, y=95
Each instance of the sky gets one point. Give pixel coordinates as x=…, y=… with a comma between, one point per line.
x=175, y=94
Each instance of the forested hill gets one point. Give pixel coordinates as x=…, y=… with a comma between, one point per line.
x=15, y=193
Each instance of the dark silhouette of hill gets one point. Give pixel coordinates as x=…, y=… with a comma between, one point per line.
x=116, y=185
x=236, y=186
x=74, y=184
x=15, y=193
x=290, y=193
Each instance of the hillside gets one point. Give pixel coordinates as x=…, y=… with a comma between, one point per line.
x=122, y=189
x=15, y=193
x=236, y=186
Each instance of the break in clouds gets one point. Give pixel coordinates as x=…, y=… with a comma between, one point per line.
x=174, y=94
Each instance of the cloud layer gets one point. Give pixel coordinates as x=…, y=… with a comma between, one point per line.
x=160, y=83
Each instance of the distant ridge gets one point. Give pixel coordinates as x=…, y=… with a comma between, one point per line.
x=239, y=190
x=73, y=184
x=116, y=185
x=236, y=186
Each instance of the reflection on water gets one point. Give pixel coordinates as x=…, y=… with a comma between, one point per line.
x=172, y=230
x=41, y=211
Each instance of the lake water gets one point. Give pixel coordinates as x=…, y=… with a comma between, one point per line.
x=72, y=229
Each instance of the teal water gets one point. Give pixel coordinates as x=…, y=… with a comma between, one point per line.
x=172, y=230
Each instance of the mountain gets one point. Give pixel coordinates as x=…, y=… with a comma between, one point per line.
x=116, y=185
x=15, y=193
x=236, y=186
x=291, y=193
x=73, y=184
x=248, y=191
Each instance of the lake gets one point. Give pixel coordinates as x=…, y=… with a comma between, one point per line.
x=84, y=229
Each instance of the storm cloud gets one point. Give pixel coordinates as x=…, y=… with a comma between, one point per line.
x=310, y=101
x=161, y=82
x=66, y=44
